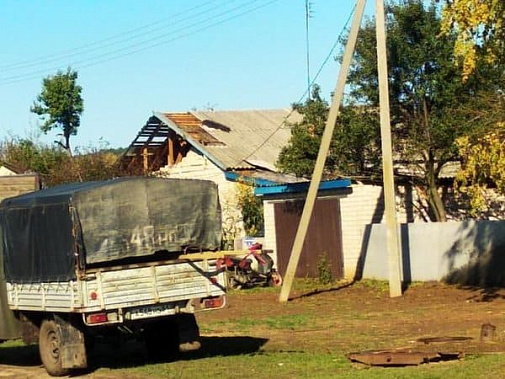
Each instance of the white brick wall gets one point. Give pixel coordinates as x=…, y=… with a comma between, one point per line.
x=270, y=237
x=363, y=207
x=197, y=166
x=360, y=208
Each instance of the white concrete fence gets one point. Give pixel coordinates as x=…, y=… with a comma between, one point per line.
x=468, y=253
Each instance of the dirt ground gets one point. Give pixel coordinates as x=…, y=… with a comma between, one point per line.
x=362, y=316
x=341, y=319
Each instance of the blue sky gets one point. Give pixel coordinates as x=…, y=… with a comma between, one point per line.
x=135, y=57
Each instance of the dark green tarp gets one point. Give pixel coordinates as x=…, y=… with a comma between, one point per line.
x=46, y=232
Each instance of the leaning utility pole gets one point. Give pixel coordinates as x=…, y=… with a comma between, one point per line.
x=392, y=228
x=323, y=152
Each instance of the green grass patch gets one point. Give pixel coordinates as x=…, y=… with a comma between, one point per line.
x=287, y=364
x=290, y=322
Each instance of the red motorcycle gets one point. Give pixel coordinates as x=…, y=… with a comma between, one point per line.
x=255, y=268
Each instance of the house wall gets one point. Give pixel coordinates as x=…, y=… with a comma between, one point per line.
x=13, y=185
x=269, y=225
x=197, y=166
x=365, y=206
x=4, y=171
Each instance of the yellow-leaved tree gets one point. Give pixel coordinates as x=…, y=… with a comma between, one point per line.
x=480, y=45
x=484, y=163
x=480, y=29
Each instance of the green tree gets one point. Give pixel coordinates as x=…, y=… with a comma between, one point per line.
x=55, y=166
x=30, y=155
x=356, y=142
x=60, y=105
x=251, y=208
x=426, y=90
x=299, y=156
x=354, y=149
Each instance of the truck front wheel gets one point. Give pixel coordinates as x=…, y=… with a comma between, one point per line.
x=50, y=347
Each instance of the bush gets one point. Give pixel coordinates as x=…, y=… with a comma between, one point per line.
x=324, y=269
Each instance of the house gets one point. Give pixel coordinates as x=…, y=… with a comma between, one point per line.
x=222, y=146
x=15, y=181
x=233, y=146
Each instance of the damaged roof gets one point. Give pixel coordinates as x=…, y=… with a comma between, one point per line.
x=235, y=139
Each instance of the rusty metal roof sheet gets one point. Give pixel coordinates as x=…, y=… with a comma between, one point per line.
x=235, y=139
x=192, y=126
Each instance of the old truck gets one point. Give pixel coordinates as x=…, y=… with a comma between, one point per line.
x=134, y=256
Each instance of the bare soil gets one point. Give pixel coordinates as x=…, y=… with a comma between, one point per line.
x=340, y=319
x=362, y=316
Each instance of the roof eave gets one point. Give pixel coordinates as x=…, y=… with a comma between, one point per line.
x=290, y=188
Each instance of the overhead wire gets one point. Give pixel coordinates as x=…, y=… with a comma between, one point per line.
x=325, y=61
x=114, y=39
x=150, y=43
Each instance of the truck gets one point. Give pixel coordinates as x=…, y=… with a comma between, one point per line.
x=134, y=256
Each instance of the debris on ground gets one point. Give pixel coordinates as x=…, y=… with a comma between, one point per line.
x=401, y=358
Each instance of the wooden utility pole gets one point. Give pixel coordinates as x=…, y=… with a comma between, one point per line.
x=393, y=246
x=323, y=152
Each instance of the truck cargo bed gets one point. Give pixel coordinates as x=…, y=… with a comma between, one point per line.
x=121, y=288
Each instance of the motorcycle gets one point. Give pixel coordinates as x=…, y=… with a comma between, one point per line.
x=255, y=268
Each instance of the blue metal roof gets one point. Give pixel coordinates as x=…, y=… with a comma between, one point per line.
x=301, y=187
x=248, y=179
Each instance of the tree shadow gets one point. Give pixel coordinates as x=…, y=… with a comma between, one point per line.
x=24, y=356
x=133, y=353
x=483, y=245
x=484, y=295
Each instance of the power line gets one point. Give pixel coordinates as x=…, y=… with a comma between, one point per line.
x=307, y=43
x=118, y=38
x=325, y=61
x=150, y=43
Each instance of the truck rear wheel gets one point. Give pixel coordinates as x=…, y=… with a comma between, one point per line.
x=50, y=344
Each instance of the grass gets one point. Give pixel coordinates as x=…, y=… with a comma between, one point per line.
x=280, y=322
x=314, y=366
x=305, y=338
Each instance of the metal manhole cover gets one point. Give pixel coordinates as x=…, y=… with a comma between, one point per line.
x=428, y=340
x=400, y=358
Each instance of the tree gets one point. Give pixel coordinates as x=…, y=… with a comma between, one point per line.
x=299, y=156
x=480, y=29
x=353, y=150
x=426, y=90
x=252, y=209
x=30, y=155
x=54, y=166
x=483, y=154
x=60, y=105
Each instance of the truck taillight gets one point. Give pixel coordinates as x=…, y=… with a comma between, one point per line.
x=213, y=302
x=97, y=318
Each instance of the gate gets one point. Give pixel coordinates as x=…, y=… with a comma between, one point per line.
x=323, y=236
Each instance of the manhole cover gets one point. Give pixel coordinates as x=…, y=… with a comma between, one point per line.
x=400, y=358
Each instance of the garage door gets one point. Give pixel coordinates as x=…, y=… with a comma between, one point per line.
x=323, y=236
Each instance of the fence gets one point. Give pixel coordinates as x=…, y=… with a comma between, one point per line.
x=468, y=253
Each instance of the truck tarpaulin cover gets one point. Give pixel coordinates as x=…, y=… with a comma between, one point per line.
x=45, y=232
